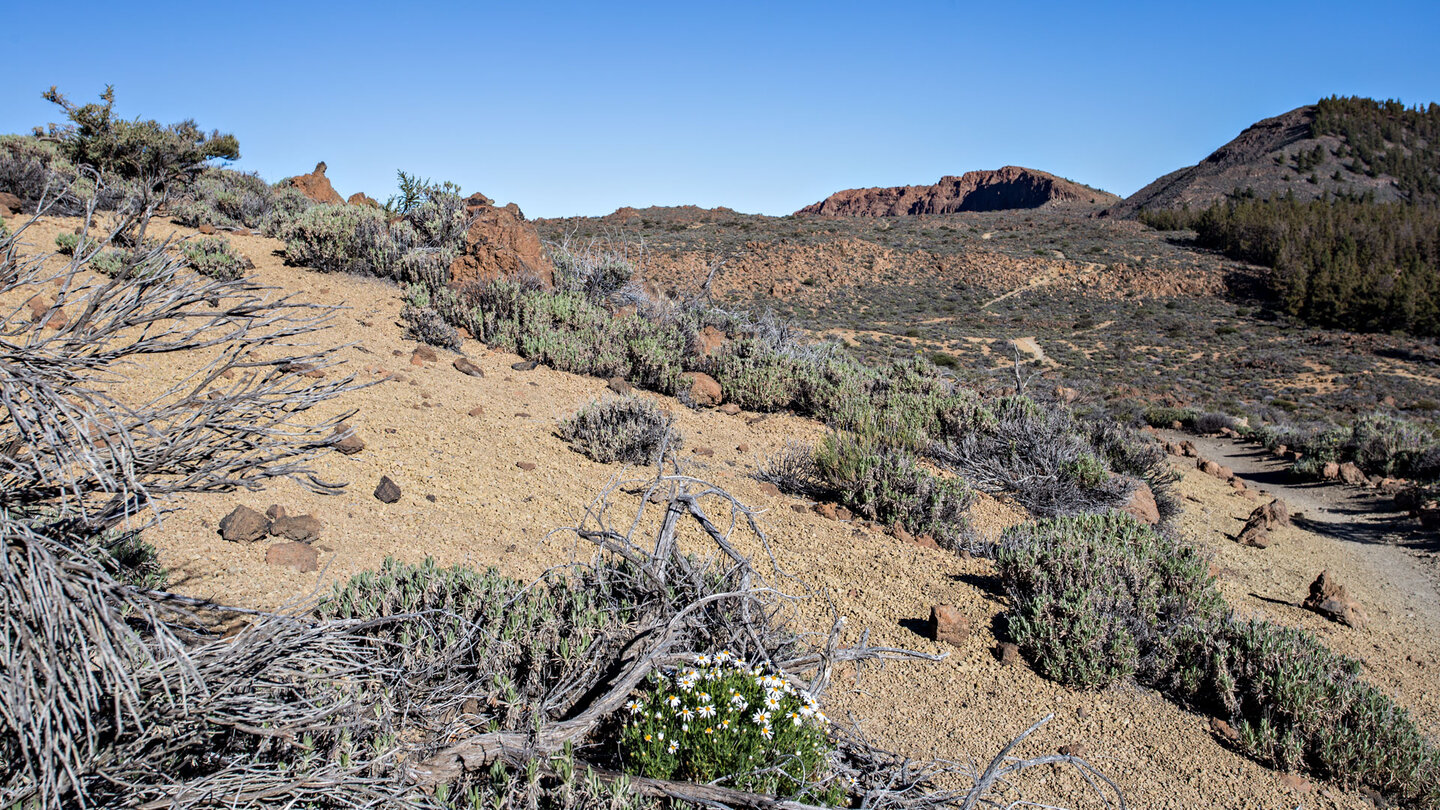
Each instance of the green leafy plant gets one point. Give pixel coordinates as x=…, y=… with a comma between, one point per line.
x=214, y=257
x=888, y=485
x=725, y=722
x=1099, y=597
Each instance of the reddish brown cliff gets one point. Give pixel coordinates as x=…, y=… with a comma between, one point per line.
x=1010, y=187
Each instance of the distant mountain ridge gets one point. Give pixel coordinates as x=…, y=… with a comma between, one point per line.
x=1339, y=146
x=988, y=190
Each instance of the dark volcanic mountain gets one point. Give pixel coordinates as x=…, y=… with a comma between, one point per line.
x=1010, y=187
x=1338, y=146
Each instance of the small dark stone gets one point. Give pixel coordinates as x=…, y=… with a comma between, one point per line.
x=387, y=491
x=275, y=512
x=525, y=365
x=430, y=498
x=464, y=366
x=301, y=528
x=244, y=525
x=351, y=443
x=527, y=466
x=1007, y=653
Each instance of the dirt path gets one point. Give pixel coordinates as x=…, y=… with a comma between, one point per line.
x=1385, y=539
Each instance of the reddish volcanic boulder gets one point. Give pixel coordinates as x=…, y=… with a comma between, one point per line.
x=315, y=185
x=361, y=198
x=501, y=243
x=1142, y=504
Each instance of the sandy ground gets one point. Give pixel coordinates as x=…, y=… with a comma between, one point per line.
x=466, y=501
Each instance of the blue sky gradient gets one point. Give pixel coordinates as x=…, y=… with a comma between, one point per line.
x=579, y=108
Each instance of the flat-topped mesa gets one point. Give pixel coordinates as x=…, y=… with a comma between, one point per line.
x=1002, y=189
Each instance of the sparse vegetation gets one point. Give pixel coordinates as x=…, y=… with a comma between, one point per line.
x=1099, y=598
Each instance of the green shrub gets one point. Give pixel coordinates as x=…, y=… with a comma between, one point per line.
x=755, y=376
x=723, y=722
x=1096, y=598
x=213, y=257
x=286, y=206
x=225, y=199
x=888, y=485
x=632, y=430
x=1381, y=444
x=517, y=641
x=1163, y=417
x=1297, y=704
x=68, y=244
x=340, y=238
x=427, y=326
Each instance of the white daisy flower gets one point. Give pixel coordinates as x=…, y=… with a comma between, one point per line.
x=707, y=711
x=761, y=718
x=673, y=701
x=673, y=747
x=633, y=706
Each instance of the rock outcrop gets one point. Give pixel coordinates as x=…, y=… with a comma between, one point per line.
x=501, y=243
x=999, y=190
x=315, y=185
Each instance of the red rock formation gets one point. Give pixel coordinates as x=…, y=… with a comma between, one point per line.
x=1010, y=187
x=501, y=243
x=361, y=198
x=315, y=185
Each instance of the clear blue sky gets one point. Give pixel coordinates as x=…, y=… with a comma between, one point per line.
x=764, y=107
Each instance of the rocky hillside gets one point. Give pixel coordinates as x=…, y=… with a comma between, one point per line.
x=1337, y=146
x=999, y=190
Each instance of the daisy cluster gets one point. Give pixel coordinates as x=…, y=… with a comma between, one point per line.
x=721, y=717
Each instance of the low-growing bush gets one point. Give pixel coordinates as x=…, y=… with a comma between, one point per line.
x=225, y=199
x=68, y=244
x=724, y=722
x=888, y=485
x=424, y=324
x=340, y=238
x=1100, y=597
x=1298, y=705
x=632, y=430
x=214, y=257
x=1209, y=422
x=1036, y=454
x=285, y=207
x=1164, y=417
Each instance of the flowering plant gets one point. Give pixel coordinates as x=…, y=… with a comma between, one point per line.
x=722, y=720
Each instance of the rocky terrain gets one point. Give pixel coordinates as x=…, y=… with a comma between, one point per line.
x=999, y=190
x=476, y=474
